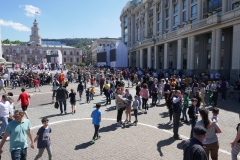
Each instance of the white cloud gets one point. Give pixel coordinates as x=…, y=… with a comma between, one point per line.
x=14, y=25
x=30, y=10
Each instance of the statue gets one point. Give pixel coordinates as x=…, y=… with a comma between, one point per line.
x=2, y=60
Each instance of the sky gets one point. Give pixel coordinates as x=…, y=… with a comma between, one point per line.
x=61, y=18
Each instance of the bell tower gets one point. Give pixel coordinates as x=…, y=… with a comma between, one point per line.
x=35, y=36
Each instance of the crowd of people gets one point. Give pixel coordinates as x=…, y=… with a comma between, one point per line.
x=186, y=96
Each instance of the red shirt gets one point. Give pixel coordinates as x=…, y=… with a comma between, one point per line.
x=92, y=80
x=24, y=98
x=60, y=79
x=35, y=81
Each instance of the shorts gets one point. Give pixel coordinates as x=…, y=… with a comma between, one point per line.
x=92, y=84
x=73, y=103
x=24, y=108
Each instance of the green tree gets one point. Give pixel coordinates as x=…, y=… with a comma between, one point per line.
x=6, y=41
x=81, y=64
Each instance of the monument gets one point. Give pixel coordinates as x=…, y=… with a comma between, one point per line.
x=2, y=60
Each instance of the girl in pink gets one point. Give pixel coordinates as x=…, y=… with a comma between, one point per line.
x=144, y=93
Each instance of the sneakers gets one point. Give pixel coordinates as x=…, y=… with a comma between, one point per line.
x=65, y=112
x=119, y=125
x=126, y=121
x=92, y=141
x=182, y=119
x=98, y=137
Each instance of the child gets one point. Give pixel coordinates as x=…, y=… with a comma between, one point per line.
x=135, y=108
x=96, y=120
x=159, y=92
x=36, y=84
x=43, y=139
x=72, y=96
x=128, y=102
x=215, y=112
x=128, y=82
x=185, y=107
x=87, y=95
x=92, y=93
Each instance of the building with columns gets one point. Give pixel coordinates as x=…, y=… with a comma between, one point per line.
x=35, y=52
x=193, y=36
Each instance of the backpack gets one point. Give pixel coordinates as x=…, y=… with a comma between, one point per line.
x=190, y=112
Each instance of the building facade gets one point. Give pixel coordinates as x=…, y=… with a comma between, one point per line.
x=36, y=52
x=110, y=52
x=193, y=36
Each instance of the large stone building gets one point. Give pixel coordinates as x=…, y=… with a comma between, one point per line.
x=189, y=35
x=110, y=52
x=35, y=52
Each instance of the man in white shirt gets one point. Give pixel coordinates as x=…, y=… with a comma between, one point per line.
x=2, y=84
x=4, y=113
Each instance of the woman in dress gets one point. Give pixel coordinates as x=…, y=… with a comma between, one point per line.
x=120, y=105
x=144, y=93
x=72, y=96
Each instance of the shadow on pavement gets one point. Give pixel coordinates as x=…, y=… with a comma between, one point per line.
x=180, y=145
x=113, y=108
x=55, y=115
x=110, y=128
x=164, y=114
x=44, y=104
x=162, y=143
x=83, y=146
x=165, y=126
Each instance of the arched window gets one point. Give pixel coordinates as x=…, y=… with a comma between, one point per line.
x=64, y=53
x=6, y=50
x=38, y=51
x=14, y=51
x=71, y=53
x=77, y=53
x=22, y=51
x=33, y=52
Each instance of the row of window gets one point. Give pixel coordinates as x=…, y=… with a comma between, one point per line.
x=33, y=52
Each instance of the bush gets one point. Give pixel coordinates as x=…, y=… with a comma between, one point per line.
x=81, y=64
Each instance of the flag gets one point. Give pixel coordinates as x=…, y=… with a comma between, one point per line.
x=37, y=12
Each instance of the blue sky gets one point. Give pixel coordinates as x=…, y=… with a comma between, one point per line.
x=61, y=18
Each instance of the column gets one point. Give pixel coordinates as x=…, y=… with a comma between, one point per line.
x=179, y=54
x=141, y=58
x=218, y=49
x=132, y=30
x=154, y=20
x=180, y=15
x=130, y=59
x=129, y=33
x=224, y=6
x=149, y=57
x=156, y=60
x=122, y=27
x=171, y=16
x=235, y=50
x=191, y=65
x=189, y=52
x=213, y=49
x=165, y=56
x=199, y=10
x=146, y=22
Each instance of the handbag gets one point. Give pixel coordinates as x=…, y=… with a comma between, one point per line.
x=56, y=105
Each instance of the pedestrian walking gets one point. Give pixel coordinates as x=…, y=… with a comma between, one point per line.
x=185, y=107
x=72, y=96
x=24, y=97
x=80, y=89
x=61, y=97
x=120, y=106
x=192, y=113
x=193, y=148
x=36, y=84
x=128, y=102
x=135, y=105
x=43, y=140
x=55, y=88
x=18, y=130
x=96, y=120
x=2, y=85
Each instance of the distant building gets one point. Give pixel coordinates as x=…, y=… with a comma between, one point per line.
x=109, y=52
x=36, y=52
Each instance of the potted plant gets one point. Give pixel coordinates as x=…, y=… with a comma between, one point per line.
x=189, y=21
x=209, y=13
x=214, y=11
x=178, y=26
x=237, y=4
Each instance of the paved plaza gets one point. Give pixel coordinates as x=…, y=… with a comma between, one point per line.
x=151, y=139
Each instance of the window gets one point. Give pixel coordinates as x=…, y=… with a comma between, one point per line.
x=209, y=39
x=77, y=53
x=104, y=44
x=77, y=59
x=209, y=59
x=33, y=52
x=184, y=60
x=234, y=6
x=159, y=27
x=196, y=41
x=170, y=62
x=175, y=20
x=223, y=37
x=38, y=51
x=170, y=46
x=100, y=44
x=28, y=51
x=167, y=23
x=167, y=13
x=184, y=16
x=184, y=4
x=6, y=50
x=71, y=60
x=64, y=53
x=185, y=43
x=196, y=61
x=194, y=20
x=175, y=9
x=64, y=59
x=222, y=60
x=22, y=51
x=14, y=51
x=175, y=28
x=194, y=1
x=71, y=53
x=194, y=11
x=159, y=16
x=125, y=21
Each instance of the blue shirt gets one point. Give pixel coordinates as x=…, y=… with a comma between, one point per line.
x=96, y=114
x=18, y=134
x=43, y=139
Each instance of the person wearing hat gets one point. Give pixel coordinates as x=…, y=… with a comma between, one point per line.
x=193, y=148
